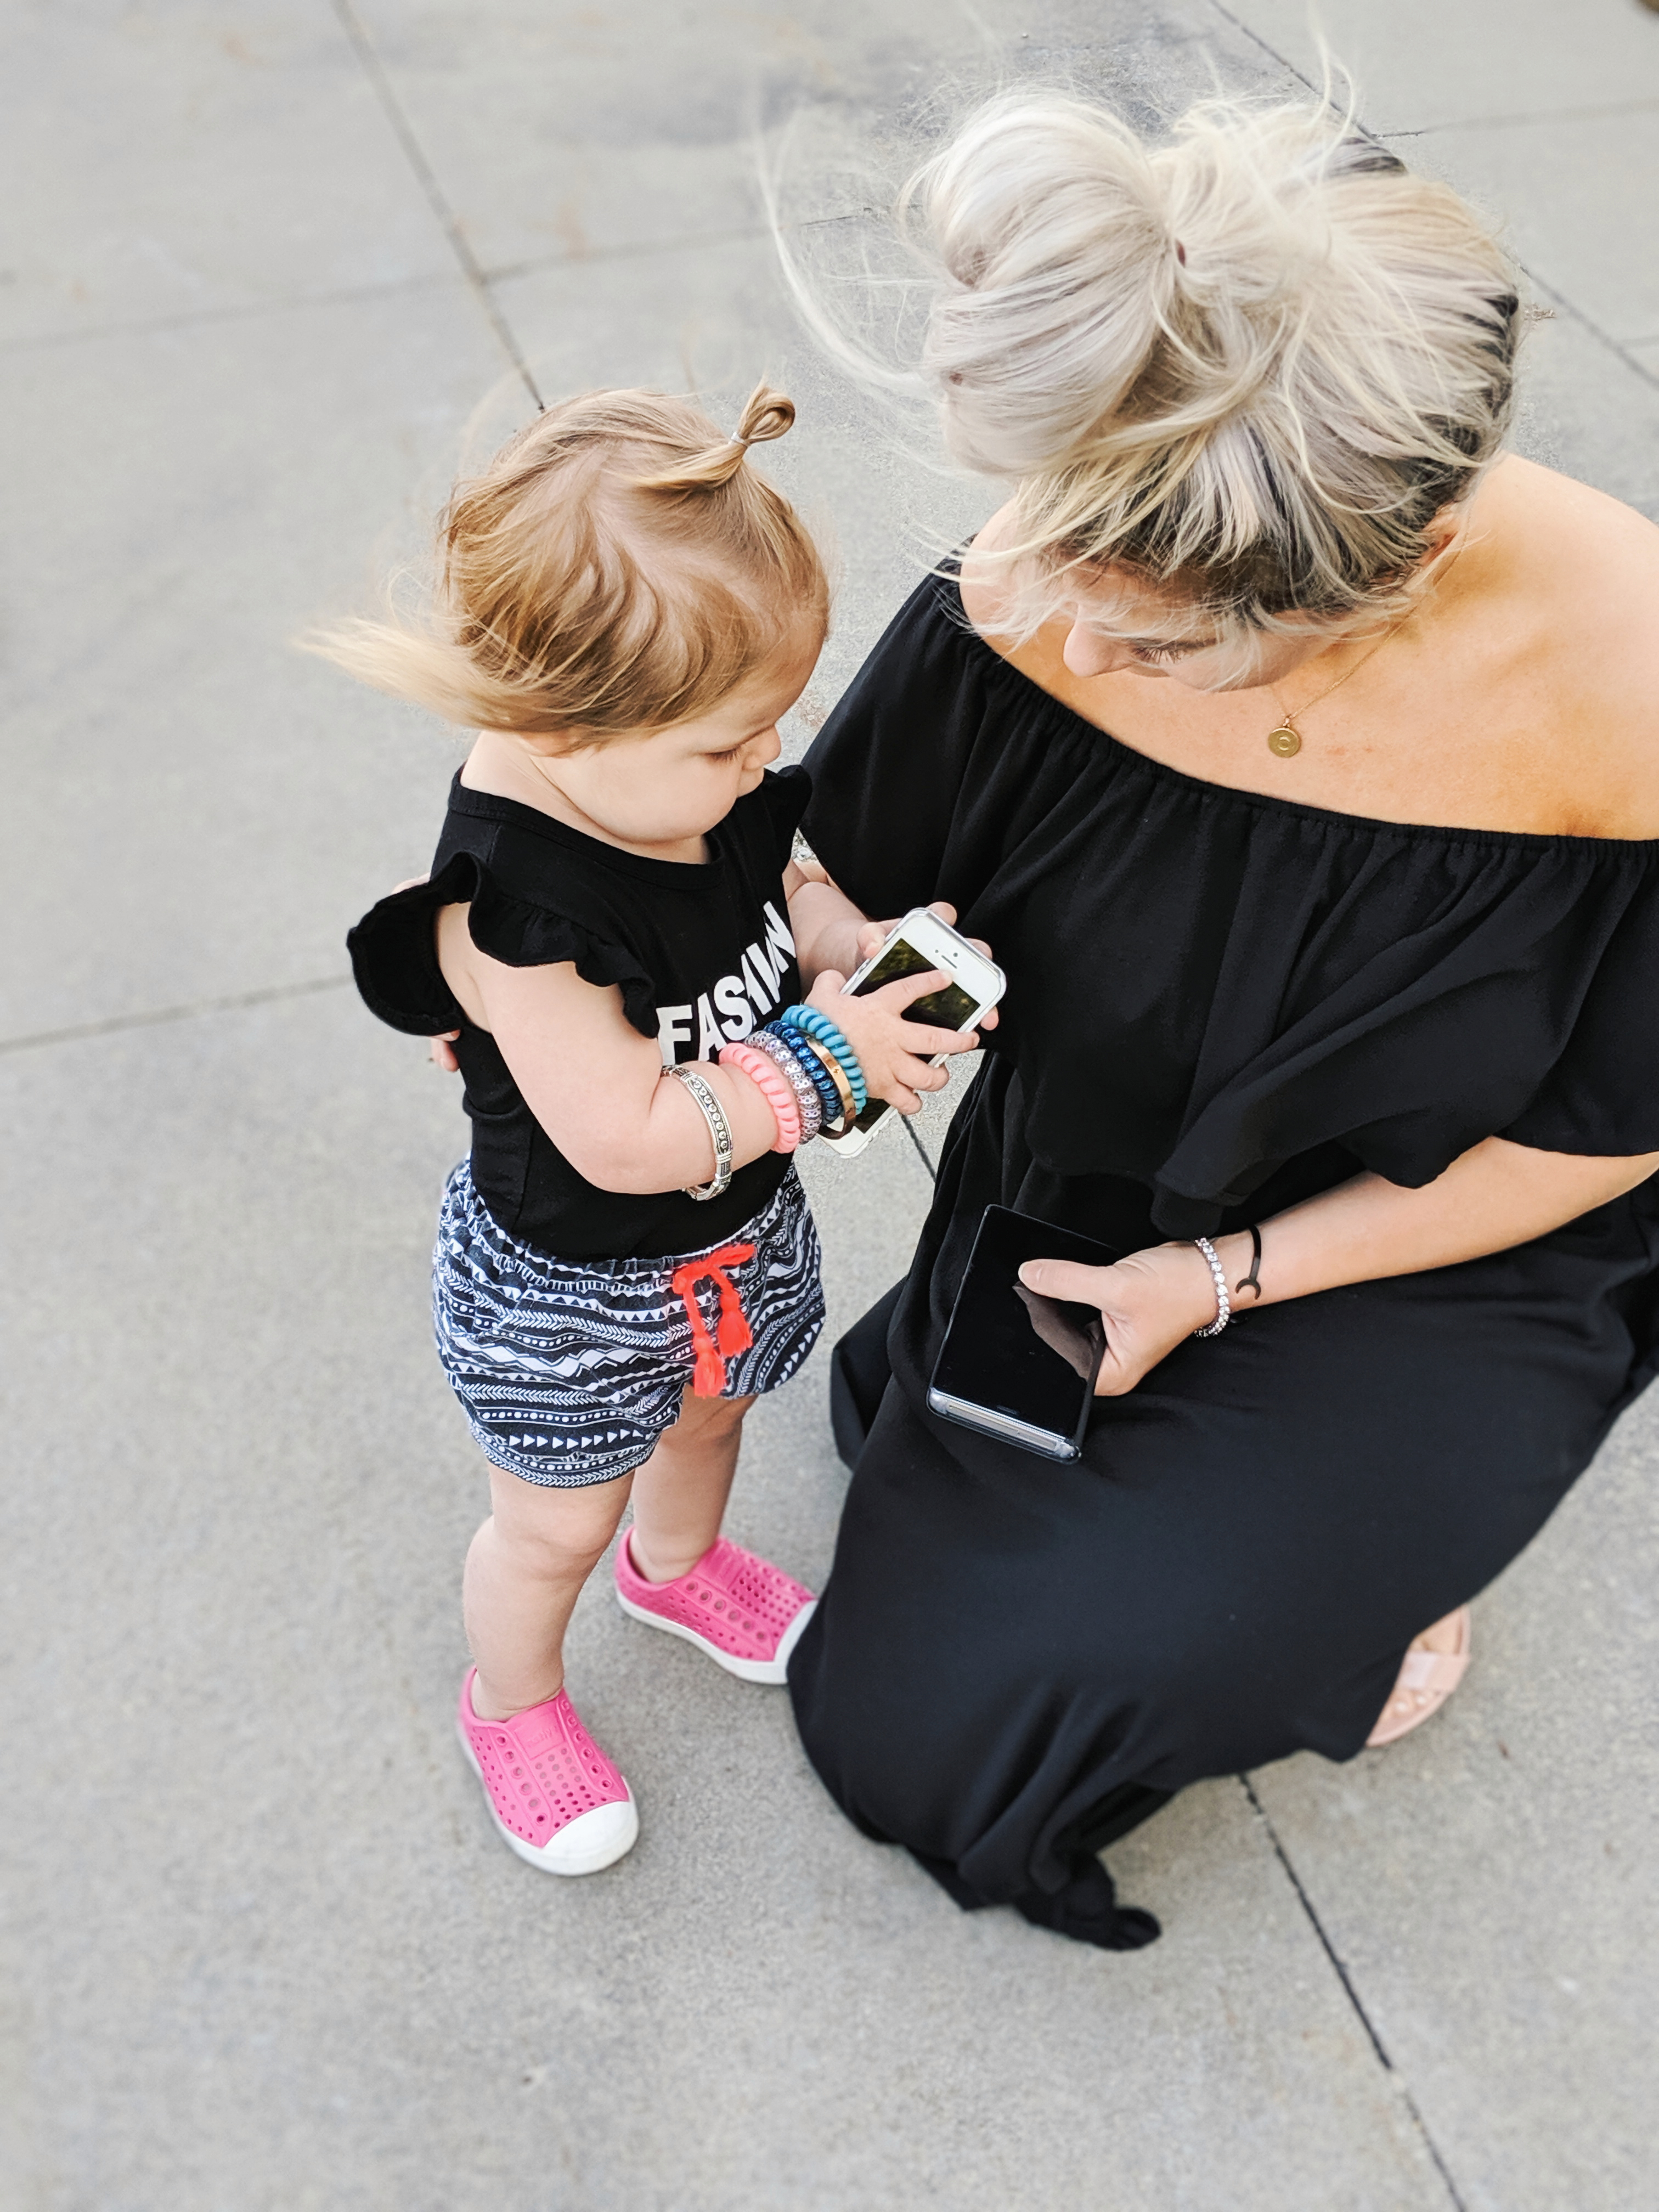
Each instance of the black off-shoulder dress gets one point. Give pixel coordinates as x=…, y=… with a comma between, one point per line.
x=1218, y=1004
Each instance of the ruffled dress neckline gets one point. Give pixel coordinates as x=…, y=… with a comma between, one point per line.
x=1331, y=818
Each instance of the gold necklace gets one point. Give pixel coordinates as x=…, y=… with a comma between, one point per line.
x=1286, y=740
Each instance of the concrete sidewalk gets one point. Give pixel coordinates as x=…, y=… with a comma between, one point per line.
x=259, y=1948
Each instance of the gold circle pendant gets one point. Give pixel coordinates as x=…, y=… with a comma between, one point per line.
x=1283, y=741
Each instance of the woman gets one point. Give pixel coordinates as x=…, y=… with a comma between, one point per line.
x=1297, y=754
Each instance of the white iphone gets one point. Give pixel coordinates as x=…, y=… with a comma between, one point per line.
x=921, y=941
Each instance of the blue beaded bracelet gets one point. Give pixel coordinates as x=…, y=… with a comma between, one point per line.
x=816, y=1072
x=815, y=1024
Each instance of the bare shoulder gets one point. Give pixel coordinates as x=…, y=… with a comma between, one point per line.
x=1594, y=563
x=1584, y=572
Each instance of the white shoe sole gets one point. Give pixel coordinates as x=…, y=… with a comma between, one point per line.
x=585, y=1845
x=772, y=1670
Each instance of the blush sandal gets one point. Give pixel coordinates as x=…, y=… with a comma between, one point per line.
x=1426, y=1679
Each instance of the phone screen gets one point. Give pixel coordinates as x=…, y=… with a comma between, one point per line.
x=953, y=1008
x=1011, y=1351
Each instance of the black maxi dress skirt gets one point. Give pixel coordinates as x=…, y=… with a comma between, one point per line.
x=1218, y=1004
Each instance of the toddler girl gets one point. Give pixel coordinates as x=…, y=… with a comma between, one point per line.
x=626, y=1262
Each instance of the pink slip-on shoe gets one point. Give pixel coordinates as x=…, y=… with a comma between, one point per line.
x=557, y=1800
x=743, y=1612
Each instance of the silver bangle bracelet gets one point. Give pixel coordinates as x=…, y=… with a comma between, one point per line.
x=719, y=1128
x=1224, y=1304
x=807, y=1097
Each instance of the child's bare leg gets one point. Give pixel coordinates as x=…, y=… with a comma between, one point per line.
x=680, y=1493
x=524, y=1574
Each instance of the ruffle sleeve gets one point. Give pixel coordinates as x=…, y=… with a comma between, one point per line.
x=394, y=950
x=1523, y=1007
x=1601, y=1095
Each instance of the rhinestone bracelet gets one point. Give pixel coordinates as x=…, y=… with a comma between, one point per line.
x=1224, y=1306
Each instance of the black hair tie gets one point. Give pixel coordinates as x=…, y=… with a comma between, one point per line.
x=1252, y=1280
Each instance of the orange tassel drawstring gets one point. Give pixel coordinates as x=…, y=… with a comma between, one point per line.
x=735, y=1335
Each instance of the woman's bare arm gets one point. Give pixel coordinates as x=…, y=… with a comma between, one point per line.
x=1496, y=1195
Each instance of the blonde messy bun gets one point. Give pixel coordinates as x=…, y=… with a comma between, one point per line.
x=1252, y=364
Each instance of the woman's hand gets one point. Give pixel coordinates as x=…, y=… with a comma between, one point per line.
x=894, y=1052
x=1494, y=1196
x=1149, y=1301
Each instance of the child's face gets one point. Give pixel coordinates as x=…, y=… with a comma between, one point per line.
x=672, y=784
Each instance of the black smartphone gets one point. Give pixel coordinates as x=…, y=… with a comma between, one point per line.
x=1013, y=1364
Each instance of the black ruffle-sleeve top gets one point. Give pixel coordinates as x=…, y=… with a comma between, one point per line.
x=700, y=952
x=1233, y=1001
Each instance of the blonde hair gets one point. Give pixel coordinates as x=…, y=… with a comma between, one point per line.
x=1250, y=366
x=618, y=567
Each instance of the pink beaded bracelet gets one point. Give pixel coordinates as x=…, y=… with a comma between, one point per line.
x=767, y=1078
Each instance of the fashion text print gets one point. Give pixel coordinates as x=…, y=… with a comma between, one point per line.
x=736, y=1004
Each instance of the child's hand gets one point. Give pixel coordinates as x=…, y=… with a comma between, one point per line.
x=872, y=935
x=893, y=1052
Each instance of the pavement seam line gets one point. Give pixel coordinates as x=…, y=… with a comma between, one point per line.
x=1520, y=122
x=233, y=1002
x=633, y=249
x=1613, y=345
x=350, y=295
x=1381, y=138
x=381, y=85
x=638, y=249
x=394, y=288
x=1352, y=1993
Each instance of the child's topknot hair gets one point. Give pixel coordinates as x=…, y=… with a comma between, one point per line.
x=618, y=566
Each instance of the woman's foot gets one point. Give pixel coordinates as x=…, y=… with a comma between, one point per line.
x=556, y=1799
x=744, y=1612
x=1436, y=1663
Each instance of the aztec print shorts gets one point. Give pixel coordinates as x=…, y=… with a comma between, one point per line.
x=569, y=1371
